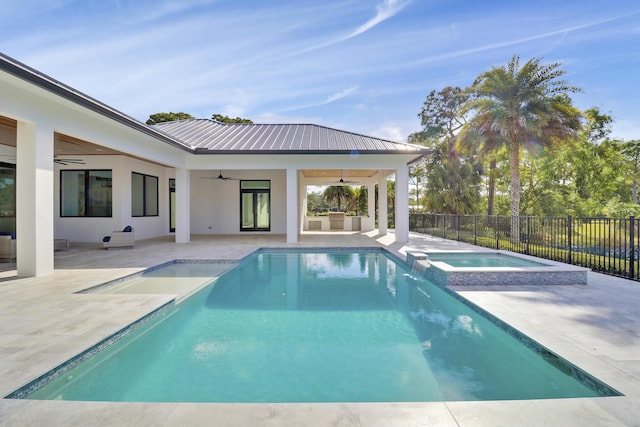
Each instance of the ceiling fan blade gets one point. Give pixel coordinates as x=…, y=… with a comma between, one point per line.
x=66, y=162
x=220, y=177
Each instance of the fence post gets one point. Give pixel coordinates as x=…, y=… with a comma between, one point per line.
x=570, y=237
x=475, y=235
x=458, y=227
x=495, y=229
x=528, y=234
x=434, y=224
x=632, y=246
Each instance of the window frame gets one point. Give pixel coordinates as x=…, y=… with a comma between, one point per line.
x=145, y=208
x=9, y=221
x=172, y=207
x=87, y=189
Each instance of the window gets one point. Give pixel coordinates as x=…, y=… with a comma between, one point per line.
x=7, y=197
x=255, y=205
x=85, y=193
x=144, y=195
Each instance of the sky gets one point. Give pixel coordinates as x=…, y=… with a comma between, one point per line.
x=360, y=65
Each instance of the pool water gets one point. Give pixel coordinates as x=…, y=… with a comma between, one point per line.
x=179, y=278
x=318, y=327
x=482, y=259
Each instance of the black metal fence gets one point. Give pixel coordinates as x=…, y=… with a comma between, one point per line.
x=606, y=245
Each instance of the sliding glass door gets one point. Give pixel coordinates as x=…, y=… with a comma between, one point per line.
x=255, y=205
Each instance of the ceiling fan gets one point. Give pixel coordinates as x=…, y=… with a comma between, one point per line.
x=221, y=177
x=344, y=181
x=63, y=162
x=66, y=162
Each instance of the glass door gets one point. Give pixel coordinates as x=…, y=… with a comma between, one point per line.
x=255, y=205
x=172, y=205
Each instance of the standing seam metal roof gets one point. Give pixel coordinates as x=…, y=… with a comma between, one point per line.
x=210, y=136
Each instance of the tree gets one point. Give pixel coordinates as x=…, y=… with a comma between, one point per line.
x=362, y=200
x=417, y=178
x=453, y=184
x=452, y=177
x=522, y=107
x=631, y=150
x=487, y=147
x=440, y=115
x=418, y=170
x=226, y=119
x=167, y=117
x=338, y=194
x=391, y=203
x=316, y=203
x=595, y=167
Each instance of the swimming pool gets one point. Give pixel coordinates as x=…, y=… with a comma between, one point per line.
x=320, y=327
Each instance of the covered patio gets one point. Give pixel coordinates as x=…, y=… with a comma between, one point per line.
x=82, y=169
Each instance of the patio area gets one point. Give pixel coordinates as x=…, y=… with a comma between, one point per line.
x=43, y=323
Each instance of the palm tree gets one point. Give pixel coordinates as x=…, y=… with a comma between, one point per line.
x=338, y=193
x=522, y=107
x=453, y=181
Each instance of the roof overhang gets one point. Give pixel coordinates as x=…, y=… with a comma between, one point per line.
x=58, y=88
x=214, y=138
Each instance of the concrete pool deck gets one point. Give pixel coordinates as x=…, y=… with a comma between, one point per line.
x=43, y=323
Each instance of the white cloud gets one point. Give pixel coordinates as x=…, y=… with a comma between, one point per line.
x=393, y=133
x=342, y=94
x=559, y=32
x=384, y=11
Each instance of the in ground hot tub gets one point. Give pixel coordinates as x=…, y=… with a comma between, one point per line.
x=493, y=268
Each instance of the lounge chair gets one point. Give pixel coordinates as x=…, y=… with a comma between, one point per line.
x=120, y=239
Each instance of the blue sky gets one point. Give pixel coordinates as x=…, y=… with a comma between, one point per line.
x=359, y=65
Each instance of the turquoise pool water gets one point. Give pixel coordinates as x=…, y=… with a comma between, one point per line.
x=481, y=259
x=318, y=327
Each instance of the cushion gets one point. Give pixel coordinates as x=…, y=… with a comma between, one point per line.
x=127, y=229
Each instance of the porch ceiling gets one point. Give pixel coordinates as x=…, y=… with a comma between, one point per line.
x=336, y=173
x=64, y=145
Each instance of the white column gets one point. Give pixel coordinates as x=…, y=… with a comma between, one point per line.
x=402, y=204
x=34, y=199
x=302, y=204
x=292, y=205
x=183, y=206
x=371, y=205
x=382, y=204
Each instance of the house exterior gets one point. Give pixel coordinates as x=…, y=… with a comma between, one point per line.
x=80, y=169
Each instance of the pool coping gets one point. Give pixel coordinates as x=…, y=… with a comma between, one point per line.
x=411, y=263
x=29, y=388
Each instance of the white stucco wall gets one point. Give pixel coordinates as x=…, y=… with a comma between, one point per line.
x=215, y=204
x=94, y=229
